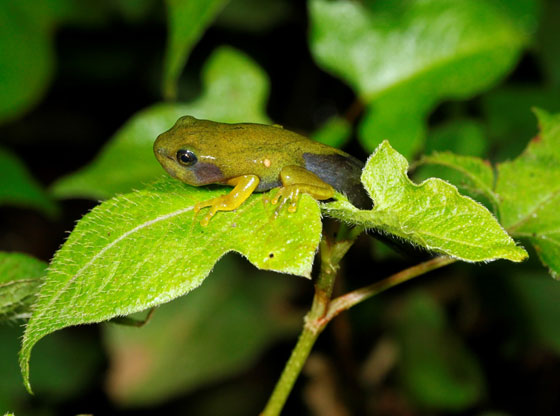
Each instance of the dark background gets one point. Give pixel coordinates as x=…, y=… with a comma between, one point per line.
x=108, y=70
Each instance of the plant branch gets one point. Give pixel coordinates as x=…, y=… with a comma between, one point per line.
x=331, y=254
x=350, y=299
x=323, y=309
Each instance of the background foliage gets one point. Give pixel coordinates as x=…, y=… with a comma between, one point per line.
x=82, y=90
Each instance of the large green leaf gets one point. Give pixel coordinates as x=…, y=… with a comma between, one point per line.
x=187, y=20
x=18, y=187
x=235, y=90
x=529, y=191
x=525, y=191
x=20, y=278
x=216, y=331
x=433, y=215
x=146, y=248
x=435, y=367
x=405, y=57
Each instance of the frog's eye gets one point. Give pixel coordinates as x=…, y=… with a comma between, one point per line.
x=186, y=157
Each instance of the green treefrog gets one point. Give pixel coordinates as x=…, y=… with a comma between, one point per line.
x=256, y=158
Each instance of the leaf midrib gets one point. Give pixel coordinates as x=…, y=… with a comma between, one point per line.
x=511, y=229
x=105, y=249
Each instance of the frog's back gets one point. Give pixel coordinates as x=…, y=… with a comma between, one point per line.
x=267, y=149
x=335, y=167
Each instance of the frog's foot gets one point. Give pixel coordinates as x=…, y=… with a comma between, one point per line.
x=216, y=204
x=287, y=194
x=243, y=188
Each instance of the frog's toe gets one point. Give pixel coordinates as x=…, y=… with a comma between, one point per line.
x=287, y=195
x=276, y=198
x=265, y=200
x=203, y=204
x=204, y=222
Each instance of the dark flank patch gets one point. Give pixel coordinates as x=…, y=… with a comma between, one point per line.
x=342, y=173
x=207, y=173
x=267, y=186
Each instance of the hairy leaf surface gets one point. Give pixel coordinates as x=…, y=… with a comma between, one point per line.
x=477, y=172
x=529, y=191
x=20, y=278
x=145, y=248
x=433, y=214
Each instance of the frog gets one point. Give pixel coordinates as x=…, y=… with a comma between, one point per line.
x=253, y=157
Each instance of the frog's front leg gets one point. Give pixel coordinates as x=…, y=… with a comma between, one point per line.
x=296, y=181
x=243, y=188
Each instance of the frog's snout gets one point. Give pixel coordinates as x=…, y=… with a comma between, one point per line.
x=160, y=151
x=163, y=153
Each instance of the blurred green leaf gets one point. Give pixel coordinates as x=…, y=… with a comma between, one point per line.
x=146, y=248
x=433, y=215
x=548, y=44
x=510, y=121
x=406, y=57
x=186, y=20
x=463, y=136
x=235, y=90
x=529, y=191
x=213, y=333
x=65, y=365
x=253, y=15
x=135, y=10
x=20, y=278
x=536, y=298
x=435, y=367
x=26, y=41
x=335, y=132
x=27, y=58
x=19, y=188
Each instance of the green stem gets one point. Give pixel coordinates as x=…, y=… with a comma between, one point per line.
x=331, y=255
x=323, y=310
x=350, y=299
x=291, y=372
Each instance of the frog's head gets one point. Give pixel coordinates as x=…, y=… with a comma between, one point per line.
x=185, y=152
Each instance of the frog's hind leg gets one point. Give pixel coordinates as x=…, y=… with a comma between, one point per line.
x=296, y=181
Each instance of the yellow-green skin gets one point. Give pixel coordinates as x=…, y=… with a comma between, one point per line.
x=273, y=155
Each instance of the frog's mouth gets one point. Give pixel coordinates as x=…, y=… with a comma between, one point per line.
x=165, y=160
